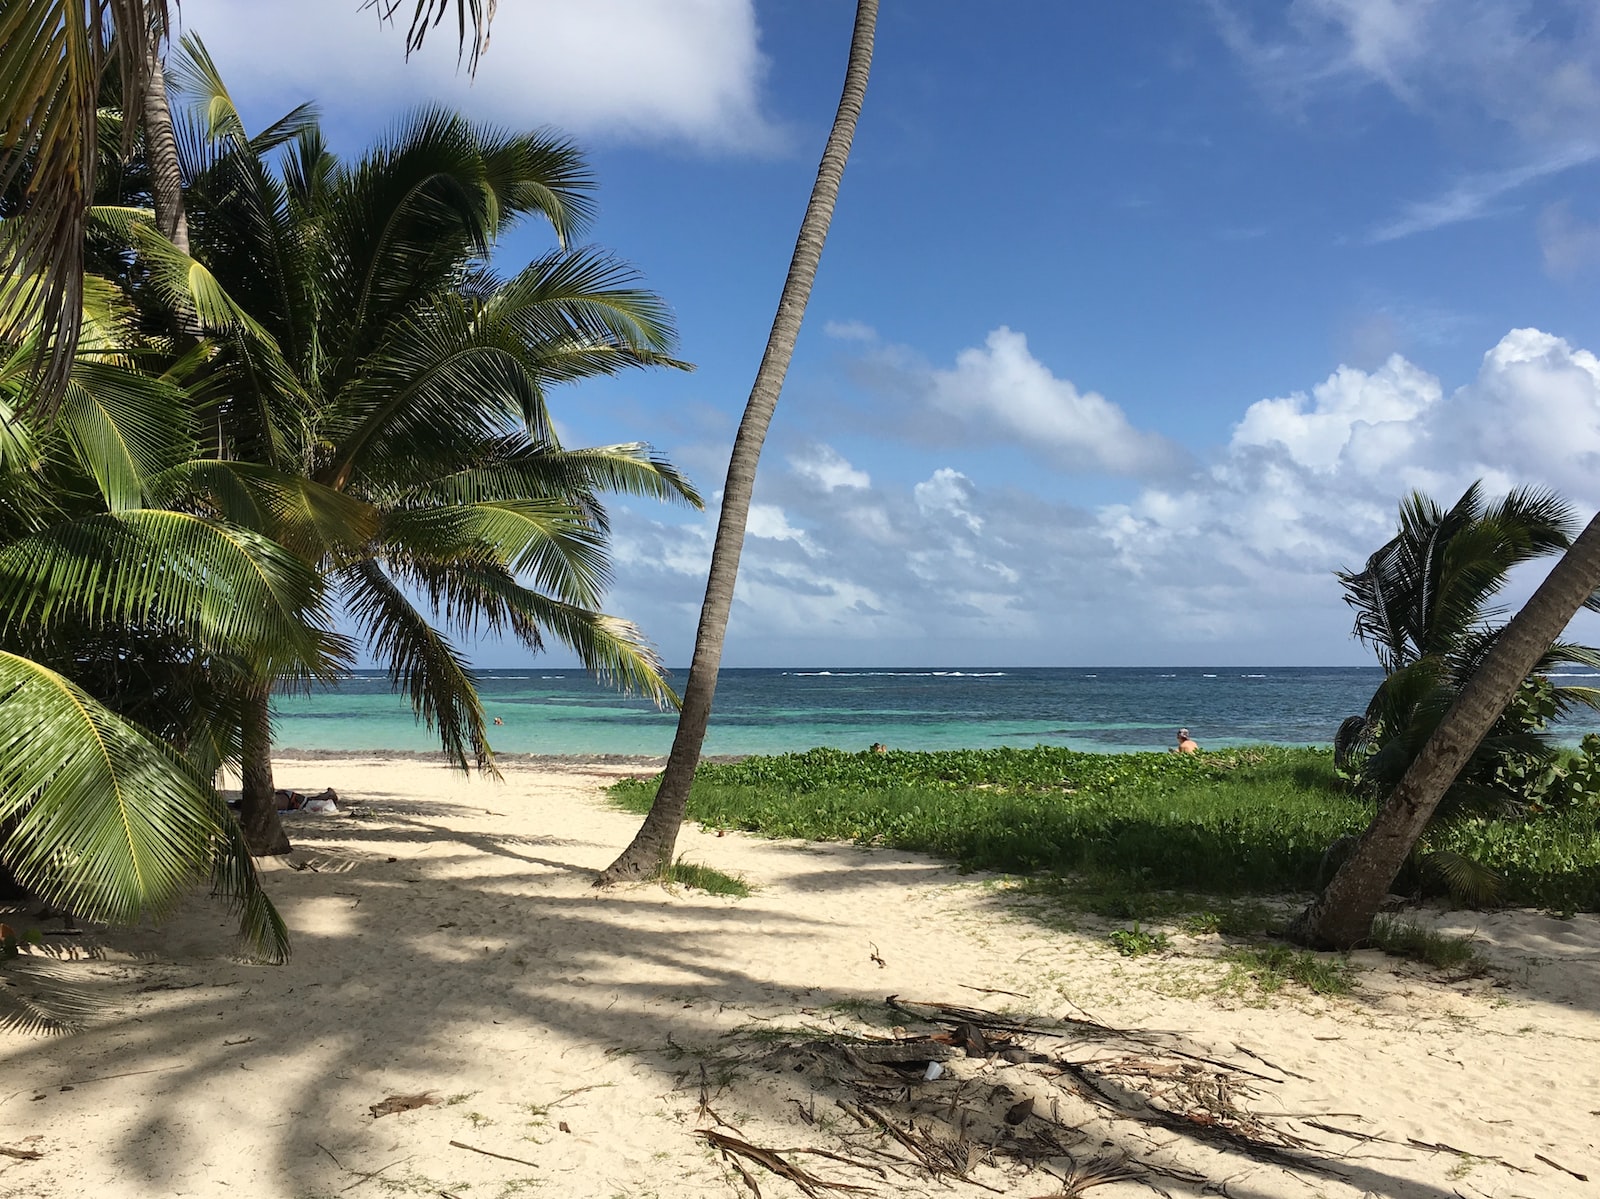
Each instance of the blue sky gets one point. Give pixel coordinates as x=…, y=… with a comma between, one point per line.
x=1135, y=322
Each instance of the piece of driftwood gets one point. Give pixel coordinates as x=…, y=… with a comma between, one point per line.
x=402, y=1103
x=22, y=1155
x=895, y=1052
x=490, y=1153
x=1558, y=1166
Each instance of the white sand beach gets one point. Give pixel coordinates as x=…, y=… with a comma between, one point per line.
x=448, y=944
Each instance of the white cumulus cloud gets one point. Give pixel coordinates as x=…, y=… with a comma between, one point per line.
x=1002, y=392
x=683, y=70
x=828, y=469
x=1231, y=561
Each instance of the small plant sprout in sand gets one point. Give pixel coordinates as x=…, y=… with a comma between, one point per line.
x=1136, y=942
x=1408, y=939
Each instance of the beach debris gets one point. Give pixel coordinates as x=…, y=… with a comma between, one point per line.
x=402, y=1103
x=1558, y=1166
x=956, y=1090
x=877, y=957
x=521, y=1161
x=732, y=1148
x=1099, y=1172
x=23, y=1155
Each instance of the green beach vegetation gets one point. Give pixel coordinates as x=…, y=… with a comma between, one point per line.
x=1233, y=823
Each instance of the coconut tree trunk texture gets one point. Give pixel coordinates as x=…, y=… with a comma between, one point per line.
x=652, y=847
x=1341, y=917
x=258, y=803
x=161, y=148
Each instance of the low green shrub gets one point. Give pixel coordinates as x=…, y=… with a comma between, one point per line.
x=1250, y=821
x=1136, y=942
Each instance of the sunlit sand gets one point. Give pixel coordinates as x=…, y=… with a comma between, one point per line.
x=451, y=954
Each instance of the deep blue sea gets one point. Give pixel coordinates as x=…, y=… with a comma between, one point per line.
x=775, y=711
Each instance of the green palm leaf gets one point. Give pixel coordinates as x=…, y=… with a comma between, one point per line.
x=53, y=55
x=102, y=820
x=234, y=589
x=577, y=476
x=421, y=661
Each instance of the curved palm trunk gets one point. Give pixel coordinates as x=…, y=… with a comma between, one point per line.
x=653, y=845
x=258, y=803
x=1341, y=917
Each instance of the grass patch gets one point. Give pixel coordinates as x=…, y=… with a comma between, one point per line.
x=1253, y=821
x=1268, y=967
x=1135, y=942
x=1407, y=939
x=1232, y=822
x=705, y=878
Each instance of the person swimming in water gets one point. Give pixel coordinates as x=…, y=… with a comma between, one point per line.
x=1186, y=743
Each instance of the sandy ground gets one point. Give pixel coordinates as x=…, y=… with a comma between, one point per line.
x=448, y=943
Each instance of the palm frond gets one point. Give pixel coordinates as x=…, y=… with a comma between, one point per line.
x=234, y=589
x=473, y=18
x=546, y=539
x=306, y=518
x=101, y=820
x=420, y=661
x=53, y=55
x=124, y=427
x=578, y=477
x=1467, y=880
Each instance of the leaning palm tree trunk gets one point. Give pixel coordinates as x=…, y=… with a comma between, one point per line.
x=653, y=845
x=1342, y=915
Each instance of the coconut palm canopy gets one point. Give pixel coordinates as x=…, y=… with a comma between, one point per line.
x=56, y=61
x=1428, y=603
x=364, y=347
x=333, y=402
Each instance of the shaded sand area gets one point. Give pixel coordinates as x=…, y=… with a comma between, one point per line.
x=557, y=1041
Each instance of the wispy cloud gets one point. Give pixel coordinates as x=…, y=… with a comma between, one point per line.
x=1477, y=197
x=1570, y=246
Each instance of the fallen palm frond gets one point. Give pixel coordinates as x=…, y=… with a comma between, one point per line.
x=731, y=1147
x=1099, y=1172
x=35, y=997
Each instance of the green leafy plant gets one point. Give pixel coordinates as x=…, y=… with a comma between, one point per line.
x=1145, y=837
x=1136, y=942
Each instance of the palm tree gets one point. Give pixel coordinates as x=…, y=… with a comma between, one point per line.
x=56, y=58
x=1341, y=917
x=99, y=814
x=652, y=847
x=364, y=350
x=1425, y=602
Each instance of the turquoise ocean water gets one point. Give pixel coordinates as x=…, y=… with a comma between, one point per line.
x=775, y=711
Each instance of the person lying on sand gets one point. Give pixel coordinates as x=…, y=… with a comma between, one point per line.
x=296, y=801
x=1186, y=743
